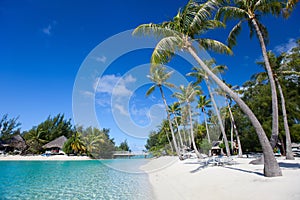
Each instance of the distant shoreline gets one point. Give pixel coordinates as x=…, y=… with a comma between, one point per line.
x=43, y=158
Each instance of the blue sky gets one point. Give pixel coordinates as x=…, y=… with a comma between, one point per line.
x=44, y=44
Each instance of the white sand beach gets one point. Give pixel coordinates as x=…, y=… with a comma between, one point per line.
x=188, y=180
x=40, y=157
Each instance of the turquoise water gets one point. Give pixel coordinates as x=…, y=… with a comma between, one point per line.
x=73, y=180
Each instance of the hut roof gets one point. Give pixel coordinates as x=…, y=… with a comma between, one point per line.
x=16, y=141
x=58, y=142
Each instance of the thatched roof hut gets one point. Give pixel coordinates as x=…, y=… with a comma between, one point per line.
x=57, y=143
x=17, y=142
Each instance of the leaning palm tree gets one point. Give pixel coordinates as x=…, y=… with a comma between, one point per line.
x=279, y=72
x=174, y=109
x=159, y=77
x=204, y=103
x=232, y=120
x=187, y=96
x=250, y=11
x=180, y=34
x=200, y=74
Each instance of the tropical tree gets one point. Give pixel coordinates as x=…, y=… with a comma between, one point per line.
x=35, y=139
x=187, y=96
x=91, y=138
x=9, y=127
x=179, y=34
x=124, y=146
x=200, y=74
x=279, y=71
x=174, y=110
x=204, y=103
x=251, y=11
x=159, y=77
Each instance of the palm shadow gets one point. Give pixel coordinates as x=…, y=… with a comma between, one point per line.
x=289, y=165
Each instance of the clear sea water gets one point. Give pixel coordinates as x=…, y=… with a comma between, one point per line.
x=74, y=180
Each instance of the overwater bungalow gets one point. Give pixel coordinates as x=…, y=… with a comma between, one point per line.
x=55, y=146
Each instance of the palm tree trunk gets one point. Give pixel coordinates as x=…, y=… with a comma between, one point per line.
x=271, y=167
x=169, y=141
x=192, y=132
x=206, y=126
x=169, y=120
x=274, y=136
x=178, y=131
x=231, y=137
x=219, y=118
x=289, y=153
x=240, y=153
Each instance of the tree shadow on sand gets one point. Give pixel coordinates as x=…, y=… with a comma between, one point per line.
x=289, y=165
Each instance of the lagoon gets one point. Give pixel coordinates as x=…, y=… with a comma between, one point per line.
x=90, y=179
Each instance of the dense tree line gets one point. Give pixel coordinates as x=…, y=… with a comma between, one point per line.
x=89, y=141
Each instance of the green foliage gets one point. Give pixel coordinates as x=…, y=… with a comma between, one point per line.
x=50, y=129
x=205, y=146
x=9, y=127
x=124, y=146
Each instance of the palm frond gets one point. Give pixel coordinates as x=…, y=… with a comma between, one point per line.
x=269, y=7
x=230, y=12
x=214, y=45
x=231, y=40
x=165, y=49
x=157, y=30
x=150, y=90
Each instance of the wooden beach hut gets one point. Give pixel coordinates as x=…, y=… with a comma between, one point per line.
x=55, y=146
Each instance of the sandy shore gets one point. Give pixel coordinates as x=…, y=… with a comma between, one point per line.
x=190, y=180
x=40, y=157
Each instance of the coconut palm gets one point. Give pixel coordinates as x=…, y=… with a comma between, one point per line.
x=180, y=34
x=187, y=96
x=159, y=77
x=232, y=120
x=174, y=109
x=204, y=103
x=200, y=74
x=184, y=121
x=35, y=140
x=250, y=11
x=279, y=72
x=77, y=144
x=92, y=138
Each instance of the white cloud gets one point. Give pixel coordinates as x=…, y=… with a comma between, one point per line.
x=101, y=59
x=116, y=85
x=47, y=30
x=286, y=47
x=121, y=109
x=88, y=94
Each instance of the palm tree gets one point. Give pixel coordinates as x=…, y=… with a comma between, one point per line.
x=187, y=96
x=159, y=77
x=92, y=139
x=35, y=139
x=278, y=72
x=202, y=105
x=174, y=109
x=179, y=34
x=200, y=74
x=250, y=11
x=77, y=144
x=184, y=121
x=165, y=128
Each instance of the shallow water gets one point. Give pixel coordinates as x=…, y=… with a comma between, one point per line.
x=73, y=180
